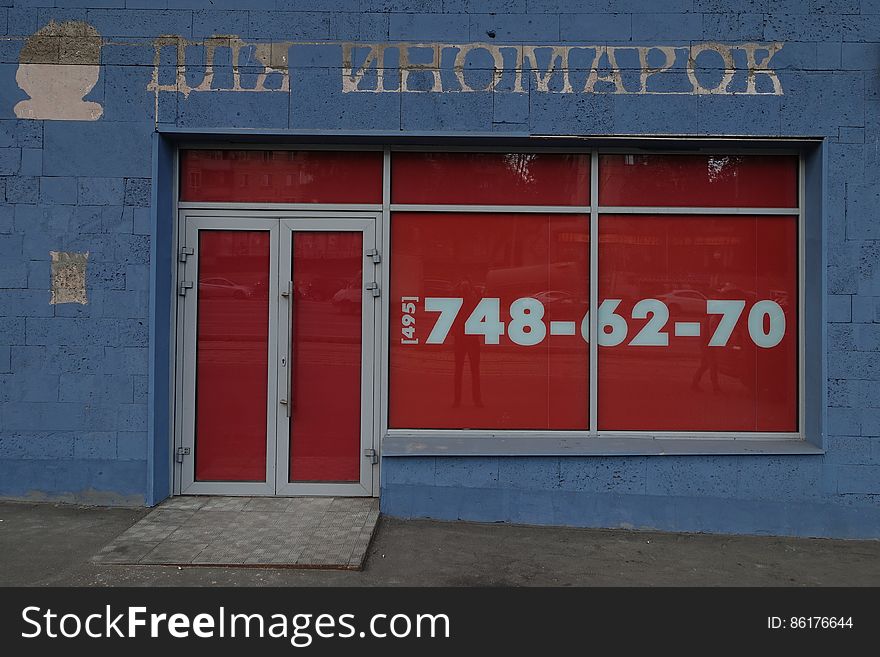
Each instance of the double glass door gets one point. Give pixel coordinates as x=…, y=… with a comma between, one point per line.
x=276, y=374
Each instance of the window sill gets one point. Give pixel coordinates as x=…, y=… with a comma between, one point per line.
x=415, y=445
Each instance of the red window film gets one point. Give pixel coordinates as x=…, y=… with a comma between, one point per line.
x=325, y=424
x=698, y=323
x=749, y=181
x=232, y=355
x=263, y=176
x=486, y=321
x=491, y=178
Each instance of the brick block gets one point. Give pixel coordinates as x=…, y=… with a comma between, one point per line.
x=288, y=25
x=603, y=475
x=137, y=192
x=131, y=445
x=28, y=388
x=13, y=275
x=137, y=277
x=125, y=304
x=109, y=388
x=868, y=337
x=595, y=28
x=10, y=161
x=140, y=22
x=408, y=470
x=858, y=479
x=733, y=27
x=20, y=133
x=359, y=27
x=31, y=162
x=58, y=190
x=663, y=28
x=23, y=189
x=95, y=445
x=132, y=249
x=100, y=191
x=36, y=445
x=840, y=308
x=784, y=478
x=692, y=476
x=97, y=148
x=516, y=28
x=429, y=27
x=468, y=472
x=865, y=308
x=12, y=330
x=211, y=22
x=141, y=221
x=530, y=473
x=861, y=218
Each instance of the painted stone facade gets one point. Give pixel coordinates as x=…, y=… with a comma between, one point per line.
x=90, y=92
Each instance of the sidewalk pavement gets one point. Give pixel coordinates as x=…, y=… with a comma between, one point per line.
x=44, y=544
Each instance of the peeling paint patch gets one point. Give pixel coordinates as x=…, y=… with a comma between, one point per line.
x=68, y=277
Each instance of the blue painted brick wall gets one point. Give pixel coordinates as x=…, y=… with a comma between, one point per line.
x=73, y=379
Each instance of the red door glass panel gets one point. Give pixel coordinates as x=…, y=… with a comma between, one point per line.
x=747, y=267
x=325, y=424
x=536, y=374
x=491, y=178
x=709, y=181
x=232, y=354
x=264, y=176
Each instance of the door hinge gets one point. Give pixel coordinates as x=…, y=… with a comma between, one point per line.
x=374, y=288
x=183, y=287
x=181, y=452
x=371, y=454
x=185, y=252
x=375, y=255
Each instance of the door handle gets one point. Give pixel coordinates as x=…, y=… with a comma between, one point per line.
x=288, y=294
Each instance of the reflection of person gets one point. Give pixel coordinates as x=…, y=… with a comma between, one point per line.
x=708, y=356
x=466, y=345
x=58, y=66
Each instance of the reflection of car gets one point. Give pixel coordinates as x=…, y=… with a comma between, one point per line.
x=684, y=302
x=222, y=287
x=554, y=296
x=348, y=299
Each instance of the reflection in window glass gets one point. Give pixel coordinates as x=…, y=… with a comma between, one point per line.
x=491, y=178
x=699, y=181
x=698, y=323
x=486, y=321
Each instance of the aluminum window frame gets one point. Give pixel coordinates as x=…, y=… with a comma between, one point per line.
x=422, y=439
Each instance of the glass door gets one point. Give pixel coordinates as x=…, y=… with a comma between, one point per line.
x=277, y=356
x=326, y=365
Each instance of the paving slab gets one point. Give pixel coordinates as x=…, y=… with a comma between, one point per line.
x=304, y=532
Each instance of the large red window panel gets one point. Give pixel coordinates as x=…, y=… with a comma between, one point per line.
x=751, y=181
x=698, y=323
x=282, y=176
x=490, y=178
x=486, y=321
x=325, y=424
x=232, y=355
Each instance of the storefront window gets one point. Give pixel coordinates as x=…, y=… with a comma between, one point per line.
x=282, y=176
x=697, y=310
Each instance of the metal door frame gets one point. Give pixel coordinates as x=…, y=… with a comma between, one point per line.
x=280, y=225
x=187, y=372
x=367, y=228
